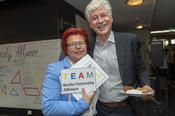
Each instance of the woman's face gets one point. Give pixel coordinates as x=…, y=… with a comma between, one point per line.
x=76, y=48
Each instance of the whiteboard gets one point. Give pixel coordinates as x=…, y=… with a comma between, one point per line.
x=22, y=71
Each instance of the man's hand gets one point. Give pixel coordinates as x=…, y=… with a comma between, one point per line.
x=149, y=90
x=127, y=87
x=87, y=98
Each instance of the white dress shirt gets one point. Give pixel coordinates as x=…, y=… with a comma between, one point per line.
x=106, y=57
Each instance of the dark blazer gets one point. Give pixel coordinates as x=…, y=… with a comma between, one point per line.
x=131, y=65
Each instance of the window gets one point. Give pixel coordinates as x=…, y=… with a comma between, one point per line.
x=173, y=41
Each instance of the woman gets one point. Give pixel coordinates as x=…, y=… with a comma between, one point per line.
x=74, y=46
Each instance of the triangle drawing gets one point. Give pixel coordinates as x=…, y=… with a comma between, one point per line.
x=13, y=92
x=37, y=78
x=37, y=100
x=16, y=79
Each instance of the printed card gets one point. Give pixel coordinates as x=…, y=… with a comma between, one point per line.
x=74, y=79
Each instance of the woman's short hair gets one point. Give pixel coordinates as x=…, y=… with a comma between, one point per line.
x=94, y=4
x=73, y=31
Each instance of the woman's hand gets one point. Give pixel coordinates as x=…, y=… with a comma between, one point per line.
x=88, y=98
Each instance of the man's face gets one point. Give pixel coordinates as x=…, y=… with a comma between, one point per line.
x=101, y=21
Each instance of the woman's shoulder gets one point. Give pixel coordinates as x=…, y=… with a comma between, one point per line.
x=60, y=64
x=56, y=64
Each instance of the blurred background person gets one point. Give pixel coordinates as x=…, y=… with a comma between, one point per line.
x=164, y=72
x=171, y=60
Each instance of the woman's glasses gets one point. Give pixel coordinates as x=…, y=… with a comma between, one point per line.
x=75, y=44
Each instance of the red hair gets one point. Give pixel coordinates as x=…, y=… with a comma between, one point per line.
x=73, y=31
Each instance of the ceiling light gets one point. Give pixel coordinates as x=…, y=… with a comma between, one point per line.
x=139, y=26
x=134, y=2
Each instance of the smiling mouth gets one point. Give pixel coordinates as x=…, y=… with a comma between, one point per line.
x=79, y=52
x=101, y=27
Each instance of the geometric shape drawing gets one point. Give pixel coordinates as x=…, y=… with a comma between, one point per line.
x=4, y=89
x=16, y=79
x=1, y=93
x=37, y=100
x=13, y=92
x=1, y=82
x=98, y=76
x=36, y=77
x=29, y=91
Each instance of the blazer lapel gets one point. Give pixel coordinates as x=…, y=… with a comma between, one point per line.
x=120, y=49
x=66, y=62
x=91, y=47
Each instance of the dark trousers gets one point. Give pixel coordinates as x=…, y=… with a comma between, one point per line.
x=103, y=110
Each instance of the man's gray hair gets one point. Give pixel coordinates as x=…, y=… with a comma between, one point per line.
x=94, y=4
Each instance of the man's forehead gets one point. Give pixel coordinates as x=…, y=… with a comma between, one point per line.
x=98, y=11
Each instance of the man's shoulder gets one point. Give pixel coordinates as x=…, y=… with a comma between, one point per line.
x=125, y=34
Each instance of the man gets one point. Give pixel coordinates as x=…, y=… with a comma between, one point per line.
x=119, y=56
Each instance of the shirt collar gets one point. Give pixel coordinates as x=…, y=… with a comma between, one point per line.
x=110, y=39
